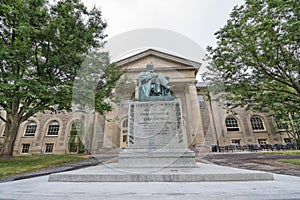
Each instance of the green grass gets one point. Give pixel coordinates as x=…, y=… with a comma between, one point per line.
x=22, y=164
x=290, y=153
x=290, y=161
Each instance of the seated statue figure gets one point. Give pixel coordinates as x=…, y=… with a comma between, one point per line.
x=152, y=84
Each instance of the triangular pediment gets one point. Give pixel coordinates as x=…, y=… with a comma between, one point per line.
x=159, y=59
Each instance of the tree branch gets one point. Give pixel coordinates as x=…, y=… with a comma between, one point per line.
x=13, y=34
x=33, y=110
x=36, y=56
x=294, y=84
x=48, y=50
x=269, y=73
x=27, y=103
x=288, y=92
x=1, y=118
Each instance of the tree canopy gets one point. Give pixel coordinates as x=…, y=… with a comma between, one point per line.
x=256, y=61
x=42, y=46
x=95, y=81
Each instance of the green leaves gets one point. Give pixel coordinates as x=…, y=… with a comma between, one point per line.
x=95, y=81
x=42, y=46
x=257, y=56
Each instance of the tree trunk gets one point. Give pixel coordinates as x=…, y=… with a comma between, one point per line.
x=11, y=131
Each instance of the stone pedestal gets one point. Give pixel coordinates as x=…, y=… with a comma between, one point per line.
x=156, y=137
x=157, y=153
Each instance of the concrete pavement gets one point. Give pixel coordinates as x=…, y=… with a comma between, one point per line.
x=283, y=187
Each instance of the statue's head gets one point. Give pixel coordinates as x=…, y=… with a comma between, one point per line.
x=149, y=67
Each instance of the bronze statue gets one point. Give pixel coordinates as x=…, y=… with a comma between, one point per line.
x=153, y=84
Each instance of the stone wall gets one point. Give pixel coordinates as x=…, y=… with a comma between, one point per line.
x=213, y=119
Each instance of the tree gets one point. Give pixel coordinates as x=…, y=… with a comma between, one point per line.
x=256, y=61
x=42, y=46
x=95, y=81
x=93, y=90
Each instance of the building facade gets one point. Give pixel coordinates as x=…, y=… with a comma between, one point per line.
x=205, y=123
x=240, y=127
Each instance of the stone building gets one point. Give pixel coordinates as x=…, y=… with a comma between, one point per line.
x=225, y=127
x=205, y=123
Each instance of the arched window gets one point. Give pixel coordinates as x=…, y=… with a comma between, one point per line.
x=76, y=125
x=74, y=143
x=30, y=129
x=53, y=128
x=232, y=124
x=257, y=123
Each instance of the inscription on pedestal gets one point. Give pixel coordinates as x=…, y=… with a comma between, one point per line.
x=155, y=124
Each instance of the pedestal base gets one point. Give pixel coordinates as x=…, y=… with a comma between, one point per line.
x=157, y=158
x=205, y=172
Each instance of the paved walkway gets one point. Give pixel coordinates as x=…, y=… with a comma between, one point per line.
x=283, y=187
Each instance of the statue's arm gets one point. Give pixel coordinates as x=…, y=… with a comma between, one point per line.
x=144, y=78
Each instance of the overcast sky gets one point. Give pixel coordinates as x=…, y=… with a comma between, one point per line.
x=184, y=27
x=196, y=19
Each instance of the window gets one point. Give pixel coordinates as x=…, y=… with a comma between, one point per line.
x=53, y=128
x=257, y=123
x=49, y=148
x=25, y=148
x=76, y=125
x=232, y=124
x=236, y=141
x=287, y=140
x=30, y=129
x=262, y=141
x=74, y=142
x=280, y=124
x=201, y=101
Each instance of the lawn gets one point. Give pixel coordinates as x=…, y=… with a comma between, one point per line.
x=290, y=153
x=290, y=161
x=22, y=164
